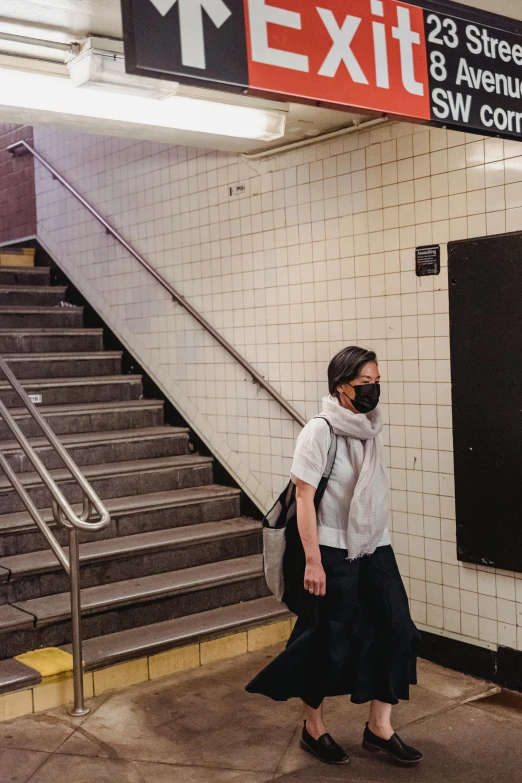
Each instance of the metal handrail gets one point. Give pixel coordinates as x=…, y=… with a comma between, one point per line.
x=257, y=378
x=63, y=515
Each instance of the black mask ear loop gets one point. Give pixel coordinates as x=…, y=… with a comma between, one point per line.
x=343, y=392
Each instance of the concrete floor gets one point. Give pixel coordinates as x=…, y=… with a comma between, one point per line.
x=201, y=726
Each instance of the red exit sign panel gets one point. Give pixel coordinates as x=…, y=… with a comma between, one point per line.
x=370, y=54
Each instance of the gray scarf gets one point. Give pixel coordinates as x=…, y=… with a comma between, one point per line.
x=369, y=509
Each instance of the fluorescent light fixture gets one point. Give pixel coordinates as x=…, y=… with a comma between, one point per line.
x=100, y=70
x=24, y=90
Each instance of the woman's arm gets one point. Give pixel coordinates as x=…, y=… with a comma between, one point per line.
x=315, y=577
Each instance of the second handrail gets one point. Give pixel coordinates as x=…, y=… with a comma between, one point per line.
x=62, y=510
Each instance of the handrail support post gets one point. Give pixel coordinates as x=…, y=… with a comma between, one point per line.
x=79, y=707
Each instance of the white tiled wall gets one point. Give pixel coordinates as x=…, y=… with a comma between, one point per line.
x=317, y=255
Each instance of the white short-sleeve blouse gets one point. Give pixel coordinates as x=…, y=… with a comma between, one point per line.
x=309, y=463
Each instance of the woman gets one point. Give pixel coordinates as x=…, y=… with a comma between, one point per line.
x=354, y=634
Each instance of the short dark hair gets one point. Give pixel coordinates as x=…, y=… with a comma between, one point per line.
x=346, y=365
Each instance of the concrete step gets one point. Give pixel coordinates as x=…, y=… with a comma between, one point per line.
x=152, y=639
x=113, y=480
x=97, y=448
x=38, y=574
x=28, y=276
x=41, y=317
x=129, y=516
x=102, y=651
x=64, y=365
x=89, y=417
x=50, y=340
x=176, y=548
x=61, y=391
x=32, y=296
x=118, y=606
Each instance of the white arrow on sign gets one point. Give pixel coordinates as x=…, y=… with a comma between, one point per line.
x=163, y=6
x=191, y=24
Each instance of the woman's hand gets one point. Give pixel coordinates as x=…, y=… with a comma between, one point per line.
x=315, y=579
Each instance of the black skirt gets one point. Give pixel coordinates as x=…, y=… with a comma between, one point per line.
x=358, y=639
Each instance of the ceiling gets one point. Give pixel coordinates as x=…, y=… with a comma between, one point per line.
x=103, y=17
x=75, y=18
x=71, y=20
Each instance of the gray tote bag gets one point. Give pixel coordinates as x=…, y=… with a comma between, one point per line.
x=281, y=515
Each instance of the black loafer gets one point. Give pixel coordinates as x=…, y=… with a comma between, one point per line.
x=325, y=748
x=394, y=747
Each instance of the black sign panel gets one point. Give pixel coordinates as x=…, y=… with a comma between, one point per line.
x=486, y=373
x=430, y=61
x=157, y=45
x=475, y=74
x=427, y=260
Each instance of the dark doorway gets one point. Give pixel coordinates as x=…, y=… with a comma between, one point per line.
x=485, y=294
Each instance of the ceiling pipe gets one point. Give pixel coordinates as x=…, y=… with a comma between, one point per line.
x=42, y=43
x=358, y=126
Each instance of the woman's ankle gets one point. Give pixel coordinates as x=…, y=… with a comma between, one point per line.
x=383, y=730
x=314, y=720
x=315, y=729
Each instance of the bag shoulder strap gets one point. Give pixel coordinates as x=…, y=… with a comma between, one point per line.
x=332, y=450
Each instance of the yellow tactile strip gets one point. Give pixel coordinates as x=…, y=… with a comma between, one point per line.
x=55, y=666
x=23, y=256
x=49, y=661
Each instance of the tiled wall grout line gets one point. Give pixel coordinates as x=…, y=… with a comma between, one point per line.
x=319, y=253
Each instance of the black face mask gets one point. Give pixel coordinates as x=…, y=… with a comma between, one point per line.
x=366, y=397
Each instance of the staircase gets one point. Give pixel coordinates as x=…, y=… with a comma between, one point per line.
x=178, y=563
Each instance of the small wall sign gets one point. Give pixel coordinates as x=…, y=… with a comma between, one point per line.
x=427, y=260
x=36, y=399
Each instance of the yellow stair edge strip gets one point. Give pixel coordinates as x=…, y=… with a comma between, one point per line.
x=57, y=688
x=48, y=661
x=17, y=256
